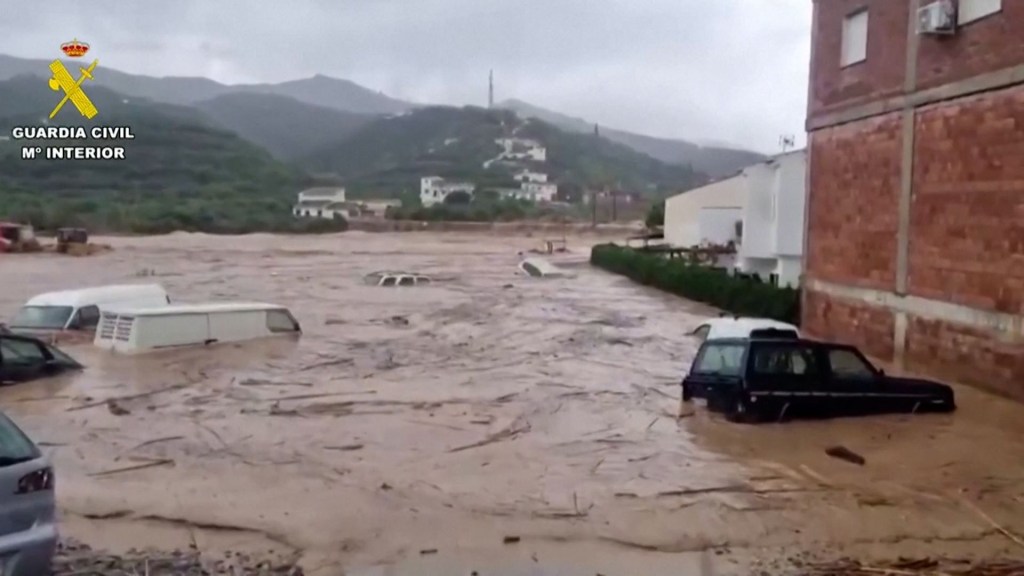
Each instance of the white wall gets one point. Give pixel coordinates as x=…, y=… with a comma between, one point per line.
x=773, y=218
x=682, y=211
x=791, y=191
x=718, y=225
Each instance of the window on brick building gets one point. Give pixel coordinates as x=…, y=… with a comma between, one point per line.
x=971, y=10
x=855, y=38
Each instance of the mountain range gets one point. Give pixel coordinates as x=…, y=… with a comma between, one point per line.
x=313, y=112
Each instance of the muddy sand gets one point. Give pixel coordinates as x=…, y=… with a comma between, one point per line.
x=490, y=422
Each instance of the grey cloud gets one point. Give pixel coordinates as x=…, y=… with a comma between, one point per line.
x=732, y=70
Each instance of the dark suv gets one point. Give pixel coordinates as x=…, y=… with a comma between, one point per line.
x=768, y=379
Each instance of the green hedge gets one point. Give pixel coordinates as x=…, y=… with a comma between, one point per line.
x=743, y=296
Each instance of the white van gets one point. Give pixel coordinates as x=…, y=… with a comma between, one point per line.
x=135, y=330
x=80, y=309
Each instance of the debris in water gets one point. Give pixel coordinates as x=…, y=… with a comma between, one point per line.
x=160, y=462
x=428, y=551
x=843, y=453
x=346, y=448
x=116, y=409
x=511, y=539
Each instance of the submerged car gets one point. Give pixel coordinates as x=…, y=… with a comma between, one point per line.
x=757, y=379
x=386, y=278
x=80, y=309
x=740, y=327
x=540, y=268
x=138, y=330
x=28, y=529
x=24, y=358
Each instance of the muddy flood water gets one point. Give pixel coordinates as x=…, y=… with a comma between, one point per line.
x=490, y=422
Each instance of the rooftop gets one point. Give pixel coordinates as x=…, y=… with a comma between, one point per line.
x=207, y=308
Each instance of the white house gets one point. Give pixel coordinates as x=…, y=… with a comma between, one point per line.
x=434, y=189
x=773, y=219
x=706, y=215
x=541, y=191
x=527, y=176
x=533, y=191
x=321, y=203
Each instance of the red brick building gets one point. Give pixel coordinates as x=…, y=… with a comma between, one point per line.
x=915, y=239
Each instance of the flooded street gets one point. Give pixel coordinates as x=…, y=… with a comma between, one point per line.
x=412, y=430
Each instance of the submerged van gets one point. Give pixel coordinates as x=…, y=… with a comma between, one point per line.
x=136, y=330
x=80, y=309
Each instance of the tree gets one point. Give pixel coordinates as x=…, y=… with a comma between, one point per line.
x=656, y=216
x=458, y=197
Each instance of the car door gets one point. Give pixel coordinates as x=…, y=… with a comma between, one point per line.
x=855, y=383
x=786, y=379
x=21, y=360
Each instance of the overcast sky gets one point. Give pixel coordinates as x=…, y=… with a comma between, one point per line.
x=703, y=70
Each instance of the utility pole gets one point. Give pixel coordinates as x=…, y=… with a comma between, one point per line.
x=490, y=91
x=593, y=207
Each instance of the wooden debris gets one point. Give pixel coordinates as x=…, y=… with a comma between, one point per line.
x=161, y=462
x=511, y=539
x=844, y=453
x=345, y=448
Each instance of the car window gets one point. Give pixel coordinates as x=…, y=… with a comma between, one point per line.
x=720, y=359
x=42, y=317
x=388, y=281
x=791, y=360
x=14, y=351
x=88, y=317
x=850, y=364
x=701, y=333
x=15, y=447
x=407, y=281
x=280, y=321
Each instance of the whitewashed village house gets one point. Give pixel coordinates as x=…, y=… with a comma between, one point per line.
x=434, y=189
x=760, y=210
x=321, y=203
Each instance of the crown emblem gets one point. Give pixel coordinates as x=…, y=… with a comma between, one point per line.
x=74, y=49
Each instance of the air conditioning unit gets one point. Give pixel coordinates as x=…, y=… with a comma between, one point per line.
x=937, y=18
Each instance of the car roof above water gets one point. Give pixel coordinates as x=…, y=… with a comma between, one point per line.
x=97, y=294
x=206, y=308
x=738, y=327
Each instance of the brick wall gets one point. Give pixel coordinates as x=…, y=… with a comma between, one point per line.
x=962, y=354
x=867, y=327
x=881, y=75
x=967, y=215
x=853, y=212
x=985, y=45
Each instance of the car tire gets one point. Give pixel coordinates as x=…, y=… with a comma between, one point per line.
x=741, y=412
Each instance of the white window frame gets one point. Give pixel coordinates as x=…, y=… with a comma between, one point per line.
x=972, y=10
x=846, y=58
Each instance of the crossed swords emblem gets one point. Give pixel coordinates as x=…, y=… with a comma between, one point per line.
x=72, y=88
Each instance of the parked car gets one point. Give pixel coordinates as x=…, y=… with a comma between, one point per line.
x=80, y=309
x=24, y=358
x=28, y=529
x=755, y=379
x=136, y=330
x=739, y=327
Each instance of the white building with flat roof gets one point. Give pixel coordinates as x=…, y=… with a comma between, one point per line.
x=773, y=219
x=434, y=189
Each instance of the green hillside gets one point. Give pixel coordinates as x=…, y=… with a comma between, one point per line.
x=180, y=173
x=390, y=155
x=281, y=124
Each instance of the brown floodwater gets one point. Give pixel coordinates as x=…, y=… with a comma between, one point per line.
x=411, y=430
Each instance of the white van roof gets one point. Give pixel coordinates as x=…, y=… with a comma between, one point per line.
x=96, y=295
x=727, y=327
x=207, y=308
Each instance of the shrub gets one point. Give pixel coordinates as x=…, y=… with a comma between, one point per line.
x=744, y=296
